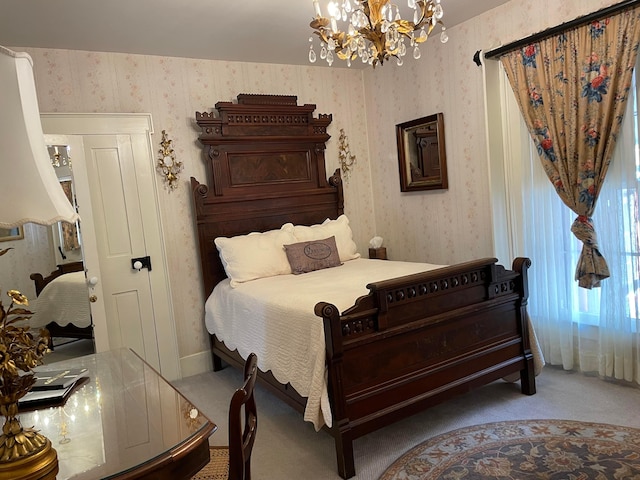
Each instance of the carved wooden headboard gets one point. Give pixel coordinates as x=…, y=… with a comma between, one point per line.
x=264, y=158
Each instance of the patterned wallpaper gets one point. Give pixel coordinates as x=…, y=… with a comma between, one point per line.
x=439, y=227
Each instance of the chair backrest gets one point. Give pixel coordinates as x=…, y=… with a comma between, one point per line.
x=243, y=423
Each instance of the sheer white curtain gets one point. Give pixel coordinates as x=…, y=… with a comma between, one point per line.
x=589, y=330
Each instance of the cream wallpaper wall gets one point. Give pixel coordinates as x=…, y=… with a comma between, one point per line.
x=439, y=227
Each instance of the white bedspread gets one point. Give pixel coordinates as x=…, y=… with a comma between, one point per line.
x=274, y=318
x=64, y=300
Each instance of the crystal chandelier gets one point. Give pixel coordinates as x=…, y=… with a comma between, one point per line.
x=59, y=156
x=375, y=32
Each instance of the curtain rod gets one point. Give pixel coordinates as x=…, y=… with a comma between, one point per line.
x=523, y=42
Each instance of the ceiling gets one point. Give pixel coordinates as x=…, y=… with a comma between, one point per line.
x=266, y=31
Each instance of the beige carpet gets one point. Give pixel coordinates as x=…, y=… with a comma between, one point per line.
x=218, y=466
x=525, y=449
x=287, y=447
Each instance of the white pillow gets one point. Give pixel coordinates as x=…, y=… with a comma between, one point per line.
x=338, y=228
x=256, y=255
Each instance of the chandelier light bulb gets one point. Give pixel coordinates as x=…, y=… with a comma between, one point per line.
x=333, y=10
x=374, y=30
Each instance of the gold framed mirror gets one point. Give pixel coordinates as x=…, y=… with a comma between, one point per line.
x=421, y=154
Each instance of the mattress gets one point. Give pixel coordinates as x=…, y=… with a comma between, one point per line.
x=64, y=300
x=274, y=318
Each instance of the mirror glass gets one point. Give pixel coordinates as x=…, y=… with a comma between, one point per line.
x=421, y=154
x=66, y=242
x=9, y=234
x=37, y=249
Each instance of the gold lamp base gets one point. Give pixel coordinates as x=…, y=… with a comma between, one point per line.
x=38, y=466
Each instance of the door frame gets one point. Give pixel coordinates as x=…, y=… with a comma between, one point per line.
x=80, y=124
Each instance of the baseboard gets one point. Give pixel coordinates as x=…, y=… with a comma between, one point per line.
x=196, y=364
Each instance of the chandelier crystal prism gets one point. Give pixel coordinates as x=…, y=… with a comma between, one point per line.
x=375, y=32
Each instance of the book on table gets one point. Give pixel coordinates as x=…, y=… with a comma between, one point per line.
x=53, y=387
x=46, y=398
x=57, y=379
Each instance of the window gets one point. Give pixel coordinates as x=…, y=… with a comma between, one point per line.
x=577, y=328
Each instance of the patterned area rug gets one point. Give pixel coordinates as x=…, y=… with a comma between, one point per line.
x=218, y=466
x=525, y=449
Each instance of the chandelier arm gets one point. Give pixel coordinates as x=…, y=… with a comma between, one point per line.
x=423, y=7
x=424, y=19
x=366, y=8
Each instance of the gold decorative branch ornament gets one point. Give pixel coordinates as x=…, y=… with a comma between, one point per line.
x=375, y=31
x=22, y=450
x=347, y=159
x=167, y=164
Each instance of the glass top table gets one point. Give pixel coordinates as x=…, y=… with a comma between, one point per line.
x=126, y=421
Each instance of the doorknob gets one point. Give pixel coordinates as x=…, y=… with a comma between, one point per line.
x=141, y=262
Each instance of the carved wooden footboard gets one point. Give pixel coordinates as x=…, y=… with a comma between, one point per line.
x=417, y=341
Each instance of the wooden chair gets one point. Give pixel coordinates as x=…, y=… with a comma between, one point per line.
x=243, y=423
x=233, y=462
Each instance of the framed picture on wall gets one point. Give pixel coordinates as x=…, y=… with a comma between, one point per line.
x=421, y=154
x=7, y=234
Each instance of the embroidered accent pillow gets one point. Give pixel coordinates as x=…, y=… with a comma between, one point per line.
x=313, y=255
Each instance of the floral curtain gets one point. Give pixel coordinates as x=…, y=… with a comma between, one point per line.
x=572, y=90
x=69, y=230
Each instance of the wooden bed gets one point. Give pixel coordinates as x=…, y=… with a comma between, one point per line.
x=413, y=341
x=61, y=328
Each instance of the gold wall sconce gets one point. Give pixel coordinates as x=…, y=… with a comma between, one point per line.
x=167, y=164
x=347, y=159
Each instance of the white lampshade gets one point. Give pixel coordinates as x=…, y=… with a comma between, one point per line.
x=29, y=188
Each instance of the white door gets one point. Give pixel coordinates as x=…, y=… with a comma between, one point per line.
x=118, y=222
x=114, y=173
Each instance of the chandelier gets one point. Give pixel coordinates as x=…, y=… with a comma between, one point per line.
x=59, y=156
x=375, y=32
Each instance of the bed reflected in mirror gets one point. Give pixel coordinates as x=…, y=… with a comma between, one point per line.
x=63, y=295
x=422, y=157
x=49, y=268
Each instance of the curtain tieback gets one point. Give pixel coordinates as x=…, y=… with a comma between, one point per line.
x=584, y=231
